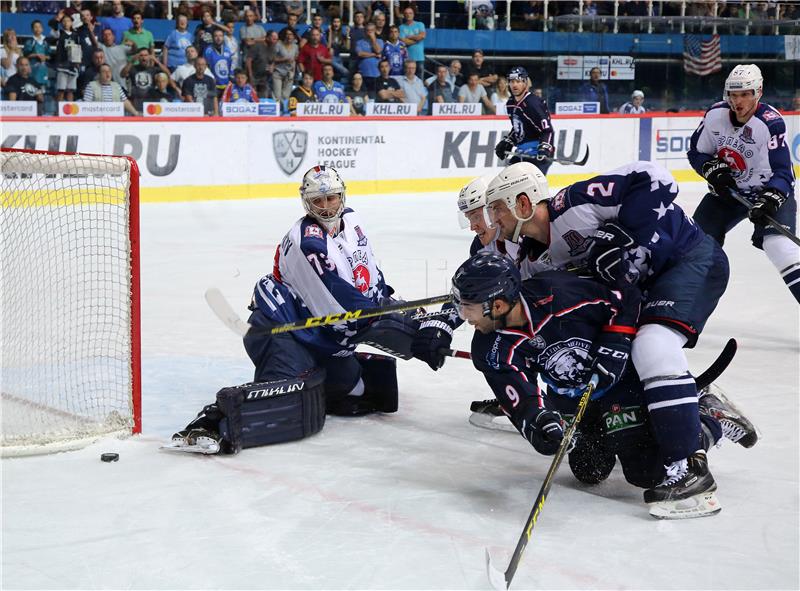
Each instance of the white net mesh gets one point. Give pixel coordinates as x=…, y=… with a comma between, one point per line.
x=65, y=312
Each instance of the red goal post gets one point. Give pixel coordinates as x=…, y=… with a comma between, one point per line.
x=70, y=340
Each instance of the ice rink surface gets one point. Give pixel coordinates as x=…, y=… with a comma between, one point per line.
x=402, y=501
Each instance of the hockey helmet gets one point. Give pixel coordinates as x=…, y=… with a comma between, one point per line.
x=322, y=181
x=485, y=277
x=472, y=197
x=514, y=180
x=744, y=77
x=518, y=73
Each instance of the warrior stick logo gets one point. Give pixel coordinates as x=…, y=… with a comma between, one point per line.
x=289, y=147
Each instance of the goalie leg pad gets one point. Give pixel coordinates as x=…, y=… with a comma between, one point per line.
x=379, y=373
x=263, y=413
x=374, y=391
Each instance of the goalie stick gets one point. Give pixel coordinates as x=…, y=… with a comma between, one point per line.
x=564, y=161
x=770, y=220
x=502, y=580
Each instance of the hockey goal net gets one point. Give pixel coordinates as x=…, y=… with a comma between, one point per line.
x=69, y=300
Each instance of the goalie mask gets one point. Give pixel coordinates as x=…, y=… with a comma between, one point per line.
x=473, y=197
x=513, y=181
x=318, y=182
x=744, y=77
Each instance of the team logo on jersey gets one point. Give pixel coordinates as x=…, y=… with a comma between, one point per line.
x=747, y=135
x=577, y=242
x=313, y=231
x=361, y=278
x=559, y=200
x=734, y=160
x=770, y=115
x=493, y=356
x=289, y=147
x=362, y=240
x=537, y=342
x=567, y=361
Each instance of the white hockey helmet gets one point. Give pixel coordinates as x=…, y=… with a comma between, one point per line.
x=321, y=181
x=513, y=181
x=473, y=196
x=744, y=77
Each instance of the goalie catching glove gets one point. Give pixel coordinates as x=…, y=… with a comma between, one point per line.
x=766, y=204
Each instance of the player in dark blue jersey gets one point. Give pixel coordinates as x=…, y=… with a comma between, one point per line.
x=531, y=131
x=564, y=329
x=742, y=145
x=625, y=228
x=324, y=265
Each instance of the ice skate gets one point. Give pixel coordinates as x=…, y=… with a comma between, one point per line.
x=735, y=426
x=687, y=490
x=487, y=414
x=198, y=441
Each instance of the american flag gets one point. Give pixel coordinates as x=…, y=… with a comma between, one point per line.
x=701, y=57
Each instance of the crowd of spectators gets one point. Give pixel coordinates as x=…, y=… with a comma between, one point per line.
x=105, y=52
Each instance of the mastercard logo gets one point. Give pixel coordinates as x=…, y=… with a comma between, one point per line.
x=154, y=109
x=70, y=109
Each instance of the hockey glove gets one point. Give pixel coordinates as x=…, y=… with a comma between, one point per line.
x=608, y=258
x=610, y=353
x=503, y=148
x=545, y=151
x=766, y=204
x=547, y=432
x=432, y=336
x=718, y=174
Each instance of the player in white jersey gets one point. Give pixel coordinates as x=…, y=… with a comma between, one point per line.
x=324, y=265
x=741, y=146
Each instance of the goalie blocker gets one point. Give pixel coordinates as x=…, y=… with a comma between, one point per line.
x=264, y=413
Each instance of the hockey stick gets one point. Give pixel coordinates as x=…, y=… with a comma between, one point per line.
x=220, y=306
x=498, y=579
x=564, y=161
x=770, y=220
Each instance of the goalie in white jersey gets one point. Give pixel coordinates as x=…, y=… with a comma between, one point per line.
x=741, y=146
x=324, y=265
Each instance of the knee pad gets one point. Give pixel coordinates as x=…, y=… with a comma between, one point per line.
x=658, y=351
x=379, y=379
x=263, y=413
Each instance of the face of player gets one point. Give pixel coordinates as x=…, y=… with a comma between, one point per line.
x=327, y=206
x=502, y=218
x=477, y=223
x=518, y=87
x=743, y=103
x=637, y=101
x=473, y=314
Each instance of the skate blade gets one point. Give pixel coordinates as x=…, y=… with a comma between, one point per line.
x=491, y=422
x=209, y=449
x=702, y=505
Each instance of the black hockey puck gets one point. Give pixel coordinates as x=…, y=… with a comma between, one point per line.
x=109, y=457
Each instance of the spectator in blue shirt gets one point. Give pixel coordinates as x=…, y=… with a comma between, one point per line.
x=118, y=23
x=395, y=52
x=369, y=53
x=220, y=60
x=176, y=43
x=595, y=91
x=327, y=89
x=412, y=33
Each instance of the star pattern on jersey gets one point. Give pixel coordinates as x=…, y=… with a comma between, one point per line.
x=663, y=181
x=662, y=210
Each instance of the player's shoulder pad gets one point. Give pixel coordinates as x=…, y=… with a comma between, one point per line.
x=771, y=118
x=313, y=237
x=718, y=110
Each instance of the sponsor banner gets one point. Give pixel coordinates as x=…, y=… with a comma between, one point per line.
x=172, y=109
x=587, y=108
x=391, y=109
x=72, y=109
x=18, y=108
x=270, y=109
x=456, y=109
x=268, y=157
x=671, y=137
x=569, y=67
x=622, y=67
x=323, y=110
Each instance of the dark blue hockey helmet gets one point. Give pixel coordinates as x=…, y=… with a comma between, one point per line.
x=517, y=73
x=485, y=277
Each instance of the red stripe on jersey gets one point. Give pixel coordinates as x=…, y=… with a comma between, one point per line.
x=276, y=271
x=620, y=329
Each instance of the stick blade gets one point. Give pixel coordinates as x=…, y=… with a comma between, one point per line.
x=496, y=577
x=220, y=306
